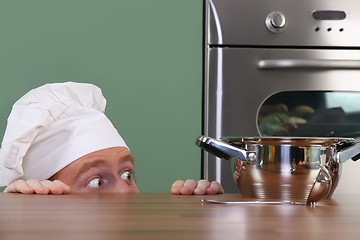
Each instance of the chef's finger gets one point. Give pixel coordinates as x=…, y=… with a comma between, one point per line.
x=202, y=186
x=176, y=187
x=189, y=187
x=215, y=188
x=55, y=187
x=38, y=187
x=19, y=186
x=66, y=188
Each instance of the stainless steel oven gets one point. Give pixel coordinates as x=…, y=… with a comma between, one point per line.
x=281, y=68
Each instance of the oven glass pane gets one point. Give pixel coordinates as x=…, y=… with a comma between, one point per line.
x=310, y=114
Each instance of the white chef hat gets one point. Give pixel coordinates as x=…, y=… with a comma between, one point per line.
x=52, y=126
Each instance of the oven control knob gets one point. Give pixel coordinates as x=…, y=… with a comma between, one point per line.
x=276, y=22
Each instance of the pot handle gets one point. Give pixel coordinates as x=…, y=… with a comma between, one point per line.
x=351, y=152
x=224, y=150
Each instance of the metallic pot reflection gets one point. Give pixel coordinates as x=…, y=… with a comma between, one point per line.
x=290, y=169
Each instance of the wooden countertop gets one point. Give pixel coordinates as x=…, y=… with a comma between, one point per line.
x=163, y=216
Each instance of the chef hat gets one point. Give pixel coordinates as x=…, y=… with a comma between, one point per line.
x=52, y=126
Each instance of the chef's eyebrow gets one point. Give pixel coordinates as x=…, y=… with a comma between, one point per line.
x=98, y=162
x=86, y=166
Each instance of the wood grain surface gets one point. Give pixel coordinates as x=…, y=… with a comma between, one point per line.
x=163, y=216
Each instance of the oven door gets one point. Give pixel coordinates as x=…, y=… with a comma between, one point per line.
x=248, y=89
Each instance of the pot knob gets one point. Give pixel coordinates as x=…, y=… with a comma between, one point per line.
x=276, y=22
x=251, y=157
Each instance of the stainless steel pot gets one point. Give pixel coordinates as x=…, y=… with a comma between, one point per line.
x=290, y=169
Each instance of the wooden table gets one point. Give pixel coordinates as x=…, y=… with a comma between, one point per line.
x=163, y=216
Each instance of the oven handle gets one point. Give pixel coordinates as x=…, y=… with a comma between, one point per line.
x=307, y=63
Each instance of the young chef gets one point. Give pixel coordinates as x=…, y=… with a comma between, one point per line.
x=58, y=141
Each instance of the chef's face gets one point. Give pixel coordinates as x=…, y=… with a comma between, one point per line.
x=107, y=170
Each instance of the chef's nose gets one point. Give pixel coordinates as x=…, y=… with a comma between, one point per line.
x=123, y=187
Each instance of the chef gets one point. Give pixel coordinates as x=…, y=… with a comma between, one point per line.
x=58, y=140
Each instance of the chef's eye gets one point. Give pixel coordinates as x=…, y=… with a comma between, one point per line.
x=126, y=175
x=95, y=183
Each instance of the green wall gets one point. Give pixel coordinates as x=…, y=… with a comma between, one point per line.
x=145, y=55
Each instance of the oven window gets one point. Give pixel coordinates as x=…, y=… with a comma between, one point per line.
x=310, y=114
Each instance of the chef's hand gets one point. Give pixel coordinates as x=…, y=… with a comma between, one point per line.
x=39, y=187
x=201, y=187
